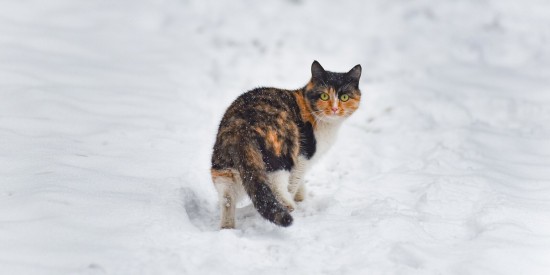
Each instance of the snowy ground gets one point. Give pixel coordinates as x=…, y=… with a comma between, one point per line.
x=108, y=112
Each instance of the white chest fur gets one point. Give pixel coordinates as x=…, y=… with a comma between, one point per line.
x=325, y=136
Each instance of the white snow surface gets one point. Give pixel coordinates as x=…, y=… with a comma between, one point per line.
x=109, y=110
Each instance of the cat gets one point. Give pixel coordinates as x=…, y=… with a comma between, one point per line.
x=269, y=137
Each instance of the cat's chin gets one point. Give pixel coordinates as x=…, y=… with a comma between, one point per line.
x=331, y=118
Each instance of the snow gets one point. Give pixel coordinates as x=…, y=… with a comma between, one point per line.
x=109, y=110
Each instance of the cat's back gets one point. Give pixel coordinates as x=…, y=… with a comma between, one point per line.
x=261, y=106
x=266, y=119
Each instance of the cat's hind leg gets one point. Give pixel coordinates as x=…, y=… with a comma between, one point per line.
x=225, y=184
x=279, y=182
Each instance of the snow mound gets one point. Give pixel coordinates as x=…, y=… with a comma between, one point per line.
x=108, y=112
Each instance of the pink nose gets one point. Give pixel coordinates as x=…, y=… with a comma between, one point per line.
x=334, y=109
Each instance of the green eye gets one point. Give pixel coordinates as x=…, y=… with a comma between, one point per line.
x=344, y=97
x=324, y=96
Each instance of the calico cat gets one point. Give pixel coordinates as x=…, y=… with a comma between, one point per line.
x=269, y=137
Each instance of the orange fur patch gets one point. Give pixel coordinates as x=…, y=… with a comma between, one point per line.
x=221, y=173
x=350, y=105
x=274, y=141
x=309, y=86
x=260, y=131
x=304, y=109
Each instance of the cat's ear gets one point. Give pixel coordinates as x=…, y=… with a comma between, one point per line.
x=355, y=73
x=317, y=71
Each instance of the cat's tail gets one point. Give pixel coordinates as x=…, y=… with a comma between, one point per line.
x=248, y=161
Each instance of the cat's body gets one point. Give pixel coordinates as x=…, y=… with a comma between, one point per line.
x=268, y=139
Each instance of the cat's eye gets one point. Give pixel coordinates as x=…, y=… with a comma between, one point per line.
x=324, y=96
x=344, y=97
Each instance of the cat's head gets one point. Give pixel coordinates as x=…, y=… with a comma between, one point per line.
x=333, y=96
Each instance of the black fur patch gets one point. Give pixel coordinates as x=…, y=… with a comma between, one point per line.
x=308, y=143
x=273, y=162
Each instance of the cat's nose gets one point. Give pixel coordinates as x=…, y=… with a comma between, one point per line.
x=334, y=109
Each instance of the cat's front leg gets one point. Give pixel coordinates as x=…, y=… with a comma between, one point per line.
x=278, y=182
x=296, y=186
x=300, y=193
